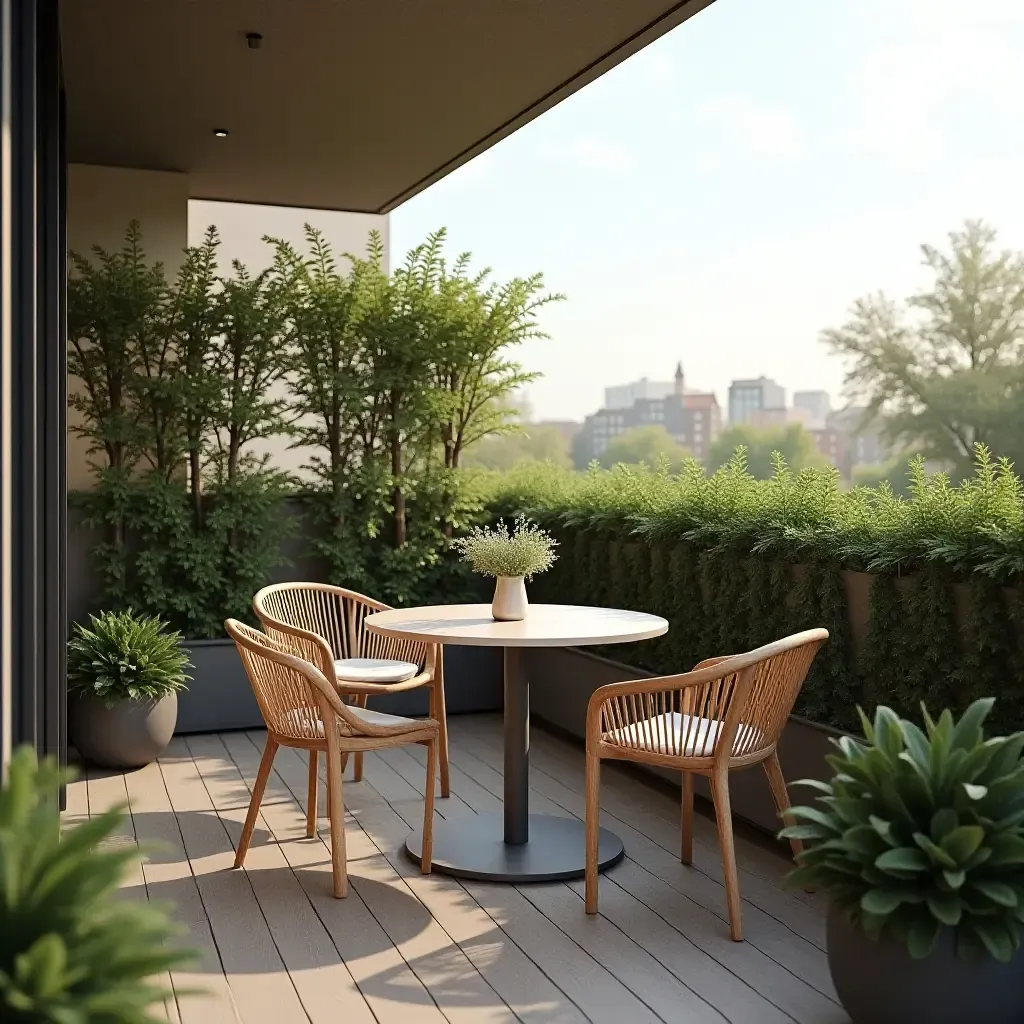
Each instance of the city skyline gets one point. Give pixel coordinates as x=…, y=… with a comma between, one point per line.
x=704, y=202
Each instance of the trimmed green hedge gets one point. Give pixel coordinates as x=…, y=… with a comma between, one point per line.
x=733, y=563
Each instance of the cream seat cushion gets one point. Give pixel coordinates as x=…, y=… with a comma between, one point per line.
x=374, y=670
x=306, y=721
x=680, y=735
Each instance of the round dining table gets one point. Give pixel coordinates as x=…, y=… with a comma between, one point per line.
x=516, y=846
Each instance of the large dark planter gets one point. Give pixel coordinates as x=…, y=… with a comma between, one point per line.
x=220, y=698
x=563, y=678
x=130, y=734
x=879, y=982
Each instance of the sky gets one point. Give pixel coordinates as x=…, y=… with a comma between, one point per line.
x=724, y=195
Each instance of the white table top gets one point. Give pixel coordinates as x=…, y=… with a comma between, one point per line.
x=545, y=625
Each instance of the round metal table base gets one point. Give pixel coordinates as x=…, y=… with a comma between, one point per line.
x=474, y=847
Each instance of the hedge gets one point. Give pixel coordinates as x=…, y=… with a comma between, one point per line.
x=733, y=562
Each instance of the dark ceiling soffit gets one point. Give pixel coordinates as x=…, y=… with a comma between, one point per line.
x=673, y=17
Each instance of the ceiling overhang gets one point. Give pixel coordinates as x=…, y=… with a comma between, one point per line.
x=354, y=105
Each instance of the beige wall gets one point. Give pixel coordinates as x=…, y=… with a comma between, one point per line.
x=101, y=202
x=242, y=227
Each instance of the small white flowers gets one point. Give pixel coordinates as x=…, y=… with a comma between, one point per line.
x=523, y=551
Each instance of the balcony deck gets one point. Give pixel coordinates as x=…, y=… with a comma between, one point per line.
x=404, y=948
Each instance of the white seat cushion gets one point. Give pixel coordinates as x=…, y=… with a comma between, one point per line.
x=306, y=721
x=374, y=670
x=681, y=735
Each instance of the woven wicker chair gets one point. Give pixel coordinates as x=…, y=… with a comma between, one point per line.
x=360, y=663
x=296, y=700
x=727, y=714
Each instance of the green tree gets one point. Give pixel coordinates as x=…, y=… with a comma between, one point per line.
x=650, y=445
x=533, y=442
x=943, y=369
x=793, y=442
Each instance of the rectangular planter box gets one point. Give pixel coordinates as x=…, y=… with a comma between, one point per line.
x=220, y=697
x=562, y=680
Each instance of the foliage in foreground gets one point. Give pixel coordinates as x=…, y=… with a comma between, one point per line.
x=523, y=551
x=124, y=656
x=975, y=525
x=920, y=831
x=70, y=952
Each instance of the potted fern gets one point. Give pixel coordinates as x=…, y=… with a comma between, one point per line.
x=511, y=557
x=918, y=841
x=70, y=951
x=126, y=671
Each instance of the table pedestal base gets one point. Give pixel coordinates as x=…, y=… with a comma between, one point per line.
x=474, y=847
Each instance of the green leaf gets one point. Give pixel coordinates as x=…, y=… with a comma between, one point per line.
x=922, y=937
x=881, y=902
x=997, y=892
x=903, y=858
x=963, y=841
x=946, y=906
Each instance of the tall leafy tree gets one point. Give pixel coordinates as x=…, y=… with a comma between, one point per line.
x=943, y=369
x=651, y=445
x=793, y=442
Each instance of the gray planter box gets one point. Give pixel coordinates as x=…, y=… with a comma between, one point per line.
x=220, y=697
x=563, y=678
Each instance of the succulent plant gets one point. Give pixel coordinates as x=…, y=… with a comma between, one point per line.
x=921, y=830
x=523, y=551
x=70, y=952
x=126, y=656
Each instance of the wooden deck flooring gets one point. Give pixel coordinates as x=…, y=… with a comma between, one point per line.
x=275, y=946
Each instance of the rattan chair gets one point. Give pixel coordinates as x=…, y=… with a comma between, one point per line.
x=360, y=663
x=296, y=700
x=727, y=714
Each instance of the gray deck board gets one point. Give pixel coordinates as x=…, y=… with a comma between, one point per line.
x=404, y=948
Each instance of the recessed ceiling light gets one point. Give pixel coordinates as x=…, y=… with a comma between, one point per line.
x=221, y=133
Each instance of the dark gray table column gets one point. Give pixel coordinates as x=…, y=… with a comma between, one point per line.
x=515, y=846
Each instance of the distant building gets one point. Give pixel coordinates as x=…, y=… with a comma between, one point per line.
x=773, y=417
x=816, y=404
x=747, y=398
x=622, y=396
x=862, y=442
x=692, y=418
x=832, y=444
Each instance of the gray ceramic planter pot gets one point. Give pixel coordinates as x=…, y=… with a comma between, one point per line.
x=879, y=983
x=129, y=735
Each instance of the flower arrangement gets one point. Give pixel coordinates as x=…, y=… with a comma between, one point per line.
x=921, y=831
x=124, y=656
x=519, y=553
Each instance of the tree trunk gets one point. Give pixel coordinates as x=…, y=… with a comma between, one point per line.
x=397, y=494
x=196, y=485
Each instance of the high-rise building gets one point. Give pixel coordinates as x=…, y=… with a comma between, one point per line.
x=692, y=418
x=747, y=398
x=862, y=443
x=817, y=406
x=622, y=396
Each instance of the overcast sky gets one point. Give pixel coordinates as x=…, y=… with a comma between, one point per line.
x=727, y=192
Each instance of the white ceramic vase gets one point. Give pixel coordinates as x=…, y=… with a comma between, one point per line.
x=510, y=603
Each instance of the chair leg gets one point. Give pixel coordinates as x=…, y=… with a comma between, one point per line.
x=593, y=816
x=723, y=817
x=686, y=820
x=336, y=804
x=427, y=852
x=258, y=790
x=314, y=780
x=357, y=758
x=777, y=781
x=440, y=715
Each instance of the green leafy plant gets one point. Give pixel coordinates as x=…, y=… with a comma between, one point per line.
x=124, y=656
x=921, y=830
x=523, y=551
x=70, y=952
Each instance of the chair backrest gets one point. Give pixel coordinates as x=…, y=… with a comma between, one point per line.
x=749, y=695
x=300, y=611
x=294, y=696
